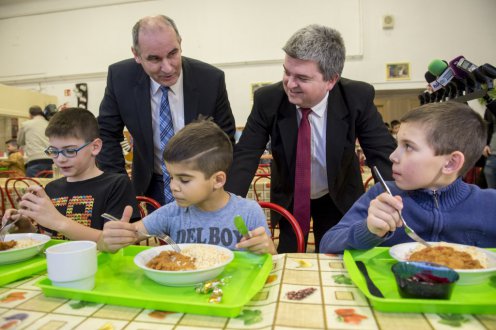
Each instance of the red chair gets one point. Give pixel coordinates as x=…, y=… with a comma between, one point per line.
x=44, y=174
x=146, y=205
x=258, y=177
x=300, y=238
x=144, y=202
x=2, y=201
x=12, y=190
x=367, y=183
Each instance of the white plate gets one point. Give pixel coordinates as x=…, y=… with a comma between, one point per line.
x=13, y=255
x=401, y=252
x=181, y=277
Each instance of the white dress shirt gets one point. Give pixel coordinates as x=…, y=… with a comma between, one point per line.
x=176, y=103
x=318, y=121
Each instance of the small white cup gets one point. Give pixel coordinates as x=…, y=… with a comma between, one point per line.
x=72, y=264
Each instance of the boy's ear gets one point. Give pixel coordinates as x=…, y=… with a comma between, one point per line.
x=454, y=162
x=96, y=146
x=219, y=178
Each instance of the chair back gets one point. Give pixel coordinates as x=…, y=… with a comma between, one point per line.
x=2, y=202
x=145, y=204
x=16, y=187
x=300, y=238
x=265, y=179
x=368, y=183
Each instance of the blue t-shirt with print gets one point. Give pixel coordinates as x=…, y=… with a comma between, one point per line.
x=192, y=225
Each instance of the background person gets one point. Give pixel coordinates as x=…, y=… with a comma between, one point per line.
x=428, y=165
x=339, y=110
x=197, y=158
x=136, y=93
x=31, y=138
x=15, y=160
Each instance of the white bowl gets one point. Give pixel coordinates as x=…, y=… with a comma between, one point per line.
x=401, y=252
x=180, y=277
x=19, y=254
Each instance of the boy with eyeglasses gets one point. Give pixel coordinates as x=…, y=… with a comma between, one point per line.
x=71, y=206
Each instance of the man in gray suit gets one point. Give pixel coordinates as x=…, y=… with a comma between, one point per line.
x=339, y=111
x=133, y=99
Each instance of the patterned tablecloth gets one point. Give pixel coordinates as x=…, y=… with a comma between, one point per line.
x=335, y=303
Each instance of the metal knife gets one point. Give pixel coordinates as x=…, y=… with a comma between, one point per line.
x=373, y=289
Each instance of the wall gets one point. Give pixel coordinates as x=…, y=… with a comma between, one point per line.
x=52, y=51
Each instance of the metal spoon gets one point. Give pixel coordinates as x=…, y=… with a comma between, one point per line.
x=163, y=237
x=409, y=231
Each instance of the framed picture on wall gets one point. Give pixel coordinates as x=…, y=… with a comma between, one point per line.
x=398, y=71
x=255, y=86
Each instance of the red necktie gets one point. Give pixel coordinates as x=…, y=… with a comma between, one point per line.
x=301, y=205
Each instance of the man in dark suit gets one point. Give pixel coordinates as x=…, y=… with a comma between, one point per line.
x=340, y=112
x=133, y=99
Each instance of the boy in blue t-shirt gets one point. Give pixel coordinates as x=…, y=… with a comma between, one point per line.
x=197, y=159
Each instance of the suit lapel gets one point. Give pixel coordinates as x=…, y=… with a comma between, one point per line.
x=143, y=115
x=337, y=129
x=191, y=95
x=288, y=126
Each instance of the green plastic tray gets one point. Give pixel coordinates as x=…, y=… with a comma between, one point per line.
x=120, y=282
x=13, y=272
x=473, y=299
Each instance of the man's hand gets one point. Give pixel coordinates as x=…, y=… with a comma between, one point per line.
x=383, y=214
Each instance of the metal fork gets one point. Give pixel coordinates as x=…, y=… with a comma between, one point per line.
x=409, y=231
x=164, y=237
x=4, y=230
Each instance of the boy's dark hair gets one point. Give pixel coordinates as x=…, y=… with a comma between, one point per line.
x=449, y=127
x=12, y=142
x=203, y=145
x=395, y=122
x=35, y=111
x=73, y=122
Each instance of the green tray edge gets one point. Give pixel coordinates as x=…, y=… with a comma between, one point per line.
x=408, y=305
x=19, y=270
x=123, y=300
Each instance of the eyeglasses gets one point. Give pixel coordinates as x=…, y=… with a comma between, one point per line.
x=67, y=152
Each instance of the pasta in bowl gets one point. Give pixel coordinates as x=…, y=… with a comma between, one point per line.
x=19, y=247
x=195, y=263
x=473, y=264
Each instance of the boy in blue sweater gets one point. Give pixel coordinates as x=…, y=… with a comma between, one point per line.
x=437, y=144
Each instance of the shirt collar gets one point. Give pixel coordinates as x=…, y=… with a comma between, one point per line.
x=320, y=108
x=155, y=86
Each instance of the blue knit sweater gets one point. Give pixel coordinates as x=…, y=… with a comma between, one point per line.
x=458, y=213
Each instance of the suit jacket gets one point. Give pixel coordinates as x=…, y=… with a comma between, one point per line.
x=127, y=103
x=351, y=114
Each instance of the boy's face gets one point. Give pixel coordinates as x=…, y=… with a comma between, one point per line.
x=11, y=147
x=79, y=167
x=190, y=187
x=414, y=164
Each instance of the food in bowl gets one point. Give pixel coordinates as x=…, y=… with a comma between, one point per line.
x=487, y=258
x=7, y=245
x=27, y=246
x=210, y=261
x=190, y=258
x=17, y=244
x=451, y=256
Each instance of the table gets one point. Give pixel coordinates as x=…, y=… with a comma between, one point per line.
x=22, y=302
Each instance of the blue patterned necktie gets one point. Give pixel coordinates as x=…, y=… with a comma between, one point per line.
x=166, y=132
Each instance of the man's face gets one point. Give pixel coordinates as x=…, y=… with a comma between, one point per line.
x=304, y=83
x=160, y=54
